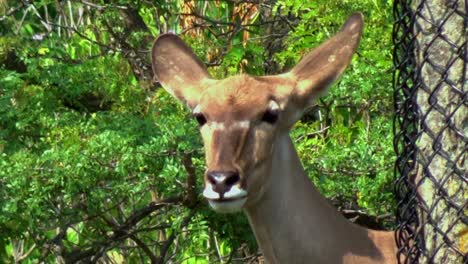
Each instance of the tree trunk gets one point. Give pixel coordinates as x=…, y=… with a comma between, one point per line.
x=440, y=32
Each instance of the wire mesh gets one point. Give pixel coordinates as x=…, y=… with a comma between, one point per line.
x=431, y=127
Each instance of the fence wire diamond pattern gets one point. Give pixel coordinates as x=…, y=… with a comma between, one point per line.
x=431, y=127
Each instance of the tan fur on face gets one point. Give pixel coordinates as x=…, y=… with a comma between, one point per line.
x=232, y=99
x=234, y=137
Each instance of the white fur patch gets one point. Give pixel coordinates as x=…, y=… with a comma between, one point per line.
x=273, y=105
x=235, y=125
x=236, y=198
x=234, y=193
x=227, y=206
x=196, y=110
x=208, y=192
x=217, y=126
x=241, y=124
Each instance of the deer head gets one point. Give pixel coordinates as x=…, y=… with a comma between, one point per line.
x=241, y=116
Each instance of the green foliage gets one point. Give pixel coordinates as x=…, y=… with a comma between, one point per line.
x=85, y=141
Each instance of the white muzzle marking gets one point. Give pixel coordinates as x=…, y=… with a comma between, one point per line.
x=229, y=206
x=232, y=201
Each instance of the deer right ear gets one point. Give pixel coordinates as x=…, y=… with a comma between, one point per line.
x=296, y=89
x=178, y=69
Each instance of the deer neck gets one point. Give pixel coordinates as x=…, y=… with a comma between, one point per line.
x=294, y=223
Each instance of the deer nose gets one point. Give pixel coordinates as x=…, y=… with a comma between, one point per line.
x=222, y=181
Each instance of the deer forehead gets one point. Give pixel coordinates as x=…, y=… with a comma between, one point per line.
x=236, y=98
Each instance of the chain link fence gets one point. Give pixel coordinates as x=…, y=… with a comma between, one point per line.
x=431, y=127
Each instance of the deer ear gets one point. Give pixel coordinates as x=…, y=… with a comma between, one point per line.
x=323, y=65
x=178, y=69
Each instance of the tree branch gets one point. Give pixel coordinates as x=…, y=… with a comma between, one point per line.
x=171, y=239
x=190, y=200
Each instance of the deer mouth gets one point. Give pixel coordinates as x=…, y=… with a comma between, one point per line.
x=227, y=205
x=230, y=201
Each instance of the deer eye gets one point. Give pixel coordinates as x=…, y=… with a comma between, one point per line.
x=201, y=119
x=270, y=116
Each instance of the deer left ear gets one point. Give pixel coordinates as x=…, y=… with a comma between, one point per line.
x=321, y=67
x=178, y=69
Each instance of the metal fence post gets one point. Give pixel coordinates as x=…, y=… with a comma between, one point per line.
x=431, y=130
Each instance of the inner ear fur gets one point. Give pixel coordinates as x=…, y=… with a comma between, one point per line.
x=324, y=64
x=178, y=69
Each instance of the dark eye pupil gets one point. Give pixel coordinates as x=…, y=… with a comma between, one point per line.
x=270, y=116
x=200, y=119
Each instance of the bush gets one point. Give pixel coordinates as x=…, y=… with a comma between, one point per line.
x=96, y=161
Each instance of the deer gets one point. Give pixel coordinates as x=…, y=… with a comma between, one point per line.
x=251, y=162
